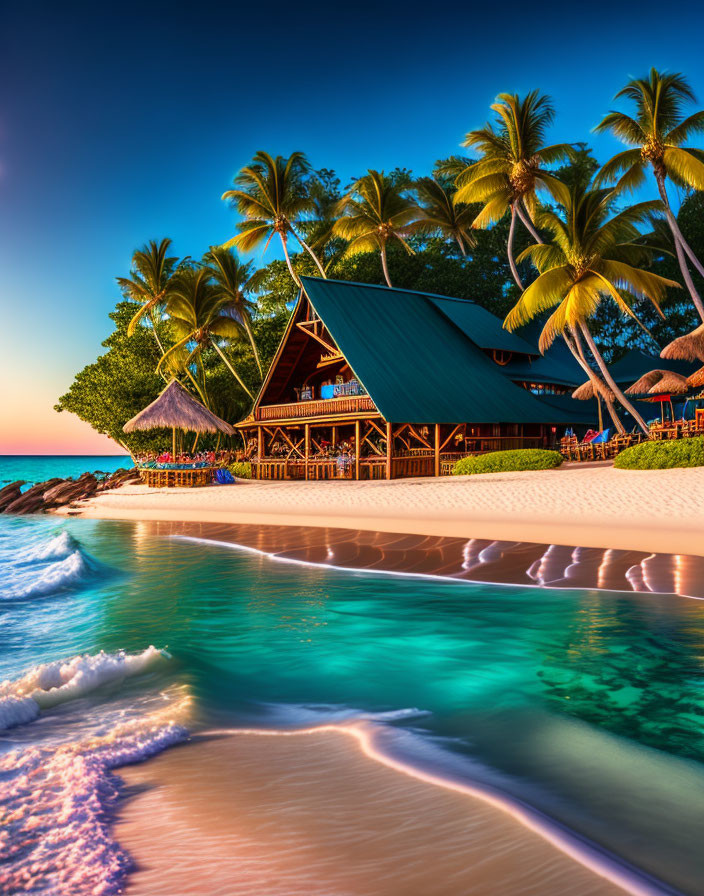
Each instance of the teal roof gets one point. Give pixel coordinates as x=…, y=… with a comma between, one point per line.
x=417, y=364
x=635, y=363
x=481, y=326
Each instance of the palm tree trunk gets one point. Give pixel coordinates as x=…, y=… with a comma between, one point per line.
x=200, y=392
x=230, y=367
x=255, y=352
x=288, y=261
x=512, y=263
x=599, y=387
x=609, y=379
x=681, y=247
x=525, y=218
x=310, y=252
x=384, y=265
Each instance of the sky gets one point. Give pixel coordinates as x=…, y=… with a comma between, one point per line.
x=125, y=122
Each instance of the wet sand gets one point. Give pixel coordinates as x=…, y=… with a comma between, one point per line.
x=311, y=815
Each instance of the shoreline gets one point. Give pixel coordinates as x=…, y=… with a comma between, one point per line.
x=654, y=511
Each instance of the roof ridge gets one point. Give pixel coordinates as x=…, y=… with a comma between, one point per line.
x=415, y=292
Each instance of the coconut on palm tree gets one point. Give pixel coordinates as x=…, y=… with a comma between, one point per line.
x=148, y=283
x=199, y=316
x=376, y=211
x=441, y=215
x=236, y=280
x=511, y=165
x=595, y=255
x=272, y=196
x=656, y=134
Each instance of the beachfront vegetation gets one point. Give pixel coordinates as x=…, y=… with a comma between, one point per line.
x=662, y=455
x=508, y=461
x=241, y=470
x=528, y=229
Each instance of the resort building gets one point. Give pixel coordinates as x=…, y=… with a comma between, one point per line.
x=373, y=383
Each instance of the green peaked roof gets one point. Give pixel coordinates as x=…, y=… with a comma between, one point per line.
x=635, y=363
x=481, y=326
x=417, y=364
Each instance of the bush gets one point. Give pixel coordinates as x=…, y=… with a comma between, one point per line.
x=241, y=469
x=504, y=461
x=662, y=455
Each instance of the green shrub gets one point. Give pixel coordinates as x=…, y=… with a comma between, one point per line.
x=504, y=461
x=241, y=469
x=662, y=455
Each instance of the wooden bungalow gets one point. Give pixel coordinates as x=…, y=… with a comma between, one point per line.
x=378, y=383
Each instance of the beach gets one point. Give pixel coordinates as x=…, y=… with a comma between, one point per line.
x=588, y=505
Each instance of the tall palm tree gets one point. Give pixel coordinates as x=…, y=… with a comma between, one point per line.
x=510, y=171
x=236, y=280
x=594, y=255
x=376, y=209
x=439, y=214
x=198, y=313
x=656, y=134
x=272, y=196
x=148, y=283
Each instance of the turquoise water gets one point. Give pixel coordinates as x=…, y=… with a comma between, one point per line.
x=39, y=467
x=586, y=706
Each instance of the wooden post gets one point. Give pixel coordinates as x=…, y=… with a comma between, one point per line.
x=334, y=436
x=307, y=446
x=437, y=449
x=260, y=452
x=389, y=446
x=357, y=437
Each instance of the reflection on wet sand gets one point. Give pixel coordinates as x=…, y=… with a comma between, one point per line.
x=308, y=816
x=481, y=560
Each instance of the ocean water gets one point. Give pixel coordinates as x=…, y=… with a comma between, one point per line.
x=583, y=709
x=34, y=468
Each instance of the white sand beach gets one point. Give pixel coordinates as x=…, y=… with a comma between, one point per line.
x=591, y=506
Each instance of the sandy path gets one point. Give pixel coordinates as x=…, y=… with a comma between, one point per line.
x=652, y=510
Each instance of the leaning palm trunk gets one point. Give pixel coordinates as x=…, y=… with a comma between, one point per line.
x=255, y=351
x=230, y=367
x=384, y=265
x=573, y=344
x=609, y=379
x=528, y=224
x=312, y=254
x=511, y=260
x=288, y=261
x=681, y=246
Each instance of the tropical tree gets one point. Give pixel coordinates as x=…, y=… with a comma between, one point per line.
x=440, y=214
x=200, y=317
x=236, y=281
x=656, y=134
x=376, y=210
x=596, y=254
x=272, y=196
x=509, y=172
x=148, y=283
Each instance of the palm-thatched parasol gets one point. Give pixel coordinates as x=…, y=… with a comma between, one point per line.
x=646, y=382
x=586, y=391
x=670, y=382
x=176, y=408
x=689, y=347
x=696, y=379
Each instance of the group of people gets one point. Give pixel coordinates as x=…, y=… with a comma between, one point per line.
x=209, y=458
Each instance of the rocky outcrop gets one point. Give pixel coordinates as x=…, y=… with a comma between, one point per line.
x=46, y=496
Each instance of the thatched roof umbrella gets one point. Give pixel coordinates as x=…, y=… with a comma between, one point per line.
x=669, y=384
x=176, y=408
x=586, y=391
x=646, y=382
x=696, y=379
x=689, y=347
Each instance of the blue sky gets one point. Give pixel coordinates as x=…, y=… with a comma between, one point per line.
x=124, y=124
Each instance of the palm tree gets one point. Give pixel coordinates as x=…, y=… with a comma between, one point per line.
x=199, y=313
x=439, y=214
x=510, y=170
x=148, y=283
x=272, y=196
x=656, y=134
x=376, y=209
x=236, y=280
x=595, y=255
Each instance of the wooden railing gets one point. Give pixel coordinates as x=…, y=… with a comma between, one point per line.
x=351, y=404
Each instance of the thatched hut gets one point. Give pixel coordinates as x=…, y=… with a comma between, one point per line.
x=176, y=408
x=696, y=379
x=670, y=383
x=643, y=385
x=689, y=347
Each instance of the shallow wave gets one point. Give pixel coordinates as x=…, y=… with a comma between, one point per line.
x=58, y=547
x=50, y=684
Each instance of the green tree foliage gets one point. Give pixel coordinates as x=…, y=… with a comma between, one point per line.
x=508, y=461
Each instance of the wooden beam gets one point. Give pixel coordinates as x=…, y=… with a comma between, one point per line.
x=389, y=448
x=259, y=443
x=437, y=449
x=307, y=447
x=452, y=434
x=418, y=436
x=357, y=448
x=302, y=326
